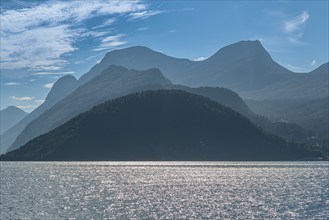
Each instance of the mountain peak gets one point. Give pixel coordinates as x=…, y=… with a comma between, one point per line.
x=242, y=48
x=61, y=88
x=12, y=108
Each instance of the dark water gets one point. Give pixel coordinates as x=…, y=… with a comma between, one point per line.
x=165, y=190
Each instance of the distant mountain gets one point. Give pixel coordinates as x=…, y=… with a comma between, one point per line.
x=312, y=85
x=113, y=82
x=158, y=125
x=142, y=58
x=309, y=114
x=245, y=66
x=60, y=89
x=10, y=116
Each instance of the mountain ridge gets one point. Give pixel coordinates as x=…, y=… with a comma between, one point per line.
x=158, y=125
x=10, y=116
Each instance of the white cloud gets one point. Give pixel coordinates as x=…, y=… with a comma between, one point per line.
x=38, y=35
x=111, y=41
x=53, y=73
x=313, y=63
x=294, y=28
x=172, y=31
x=48, y=85
x=200, y=59
x=39, y=101
x=143, y=29
x=144, y=14
x=106, y=23
x=24, y=98
x=295, y=68
x=25, y=106
x=12, y=84
x=296, y=23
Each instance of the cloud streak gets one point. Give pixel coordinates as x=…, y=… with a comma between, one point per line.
x=296, y=23
x=144, y=14
x=53, y=73
x=200, y=59
x=110, y=42
x=24, y=98
x=12, y=84
x=48, y=85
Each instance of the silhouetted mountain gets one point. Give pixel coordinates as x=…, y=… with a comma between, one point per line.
x=141, y=58
x=246, y=67
x=101, y=89
x=113, y=82
x=63, y=86
x=10, y=116
x=310, y=114
x=312, y=85
x=224, y=68
x=158, y=125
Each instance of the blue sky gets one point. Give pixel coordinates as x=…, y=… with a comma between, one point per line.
x=44, y=40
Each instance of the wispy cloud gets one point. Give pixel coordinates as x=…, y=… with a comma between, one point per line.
x=39, y=101
x=105, y=23
x=25, y=106
x=313, y=63
x=12, y=84
x=53, y=73
x=111, y=41
x=295, y=68
x=294, y=29
x=200, y=59
x=24, y=98
x=143, y=29
x=296, y=23
x=48, y=85
x=23, y=30
x=144, y=14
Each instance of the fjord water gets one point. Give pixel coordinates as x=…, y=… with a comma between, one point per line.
x=164, y=190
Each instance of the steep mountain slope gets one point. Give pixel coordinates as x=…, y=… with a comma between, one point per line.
x=312, y=85
x=142, y=58
x=60, y=89
x=158, y=125
x=245, y=66
x=104, y=87
x=10, y=116
x=111, y=83
x=310, y=114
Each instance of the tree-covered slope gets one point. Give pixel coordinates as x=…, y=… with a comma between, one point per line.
x=158, y=125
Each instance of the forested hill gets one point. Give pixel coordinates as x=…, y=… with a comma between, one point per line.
x=158, y=125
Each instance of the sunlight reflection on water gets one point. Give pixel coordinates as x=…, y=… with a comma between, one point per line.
x=165, y=190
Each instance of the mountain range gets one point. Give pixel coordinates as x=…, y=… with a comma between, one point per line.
x=245, y=67
x=158, y=125
x=60, y=89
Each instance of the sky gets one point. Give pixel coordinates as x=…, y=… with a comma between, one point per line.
x=43, y=40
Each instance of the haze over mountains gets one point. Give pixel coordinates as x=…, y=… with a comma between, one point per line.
x=158, y=125
x=245, y=67
x=10, y=116
x=60, y=89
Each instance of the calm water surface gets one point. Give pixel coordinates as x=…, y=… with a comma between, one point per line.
x=164, y=190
